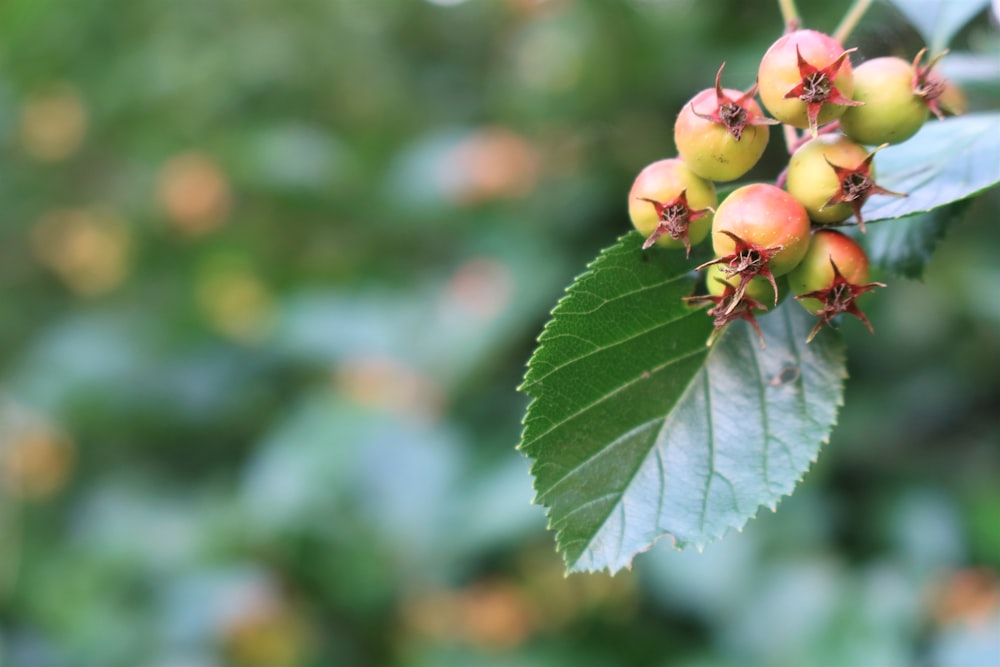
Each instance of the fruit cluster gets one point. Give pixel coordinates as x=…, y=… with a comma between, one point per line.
x=762, y=232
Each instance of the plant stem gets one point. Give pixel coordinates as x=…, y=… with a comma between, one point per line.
x=789, y=13
x=791, y=137
x=851, y=19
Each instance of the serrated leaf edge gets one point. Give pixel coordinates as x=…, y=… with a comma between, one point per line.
x=725, y=530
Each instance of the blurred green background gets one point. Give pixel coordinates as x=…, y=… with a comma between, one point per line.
x=271, y=271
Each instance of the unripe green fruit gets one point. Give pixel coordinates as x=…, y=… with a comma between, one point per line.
x=779, y=74
x=813, y=182
x=815, y=272
x=708, y=147
x=766, y=217
x=892, y=112
x=664, y=181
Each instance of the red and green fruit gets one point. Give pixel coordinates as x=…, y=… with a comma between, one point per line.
x=671, y=205
x=721, y=133
x=771, y=224
x=806, y=79
x=831, y=277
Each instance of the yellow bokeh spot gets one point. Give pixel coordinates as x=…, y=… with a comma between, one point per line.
x=53, y=123
x=89, y=249
x=36, y=460
x=264, y=631
x=235, y=301
x=491, y=615
x=383, y=383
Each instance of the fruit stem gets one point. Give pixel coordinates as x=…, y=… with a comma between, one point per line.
x=789, y=12
x=851, y=19
x=791, y=138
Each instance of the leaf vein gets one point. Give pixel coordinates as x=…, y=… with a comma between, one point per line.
x=593, y=501
x=608, y=300
x=610, y=394
x=711, y=454
x=604, y=347
x=761, y=384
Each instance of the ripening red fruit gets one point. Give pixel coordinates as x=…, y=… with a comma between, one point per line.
x=892, y=111
x=671, y=205
x=830, y=278
x=832, y=176
x=806, y=79
x=766, y=216
x=721, y=133
x=759, y=230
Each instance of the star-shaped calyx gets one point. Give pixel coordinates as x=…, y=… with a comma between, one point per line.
x=927, y=84
x=857, y=185
x=728, y=307
x=747, y=261
x=733, y=114
x=817, y=87
x=675, y=218
x=839, y=297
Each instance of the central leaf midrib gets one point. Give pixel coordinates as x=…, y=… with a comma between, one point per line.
x=640, y=460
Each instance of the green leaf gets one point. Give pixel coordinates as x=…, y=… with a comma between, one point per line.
x=906, y=245
x=947, y=161
x=637, y=430
x=938, y=21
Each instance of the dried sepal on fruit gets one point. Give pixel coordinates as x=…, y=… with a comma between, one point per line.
x=927, y=84
x=953, y=101
x=674, y=220
x=671, y=205
x=832, y=177
x=806, y=79
x=857, y=184
x=840, y=297
x=734, y=114
x=721, y=133
x=759, y=230
x=831, y=277
x=729, y=306
x=817, y=87
x=746, y=262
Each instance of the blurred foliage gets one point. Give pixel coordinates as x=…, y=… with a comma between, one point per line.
x=271, y=272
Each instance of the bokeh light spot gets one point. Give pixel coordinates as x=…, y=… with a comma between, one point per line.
x=53, y=123
x=490, y=163
x=36, y=456
x=235, y=301
x=481, y=288
x=380, y=382
x=194, y=193
x=89, y=249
